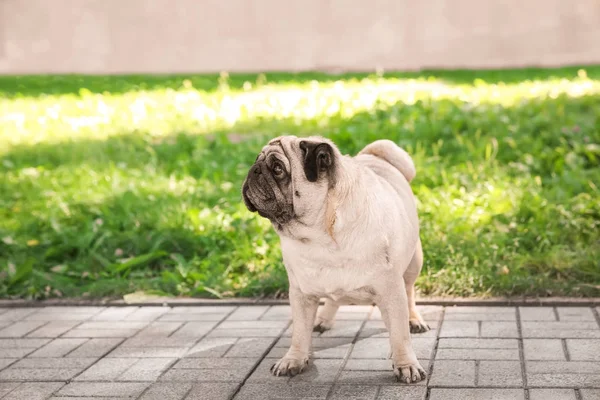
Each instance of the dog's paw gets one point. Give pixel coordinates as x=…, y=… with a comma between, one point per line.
x=322, y=325
x=409, y=373
x=288, y=366
x=418, y=326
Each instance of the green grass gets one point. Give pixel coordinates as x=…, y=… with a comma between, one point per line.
x=110, y=185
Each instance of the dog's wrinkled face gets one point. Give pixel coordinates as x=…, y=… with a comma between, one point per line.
x=290, y=177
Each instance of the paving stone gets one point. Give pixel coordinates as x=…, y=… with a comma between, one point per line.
x=250, y=347
x=159, y=329
x=334, y=352
x=216, y=363
x=223, y=310
x=277, y=312
x=33, y=391
x=253, y=325
x=58, y=348
x=17, y=314
x=107, y=369
x=63, y=315
x=575, y=314
x=115, y=314
x=81, y=398
x=7, y=387
x=196, y=314
x=147, y=313
x=202, y=375
x=195, y=329
x=537, y=314
x=552, y=394
x=153, y=341
x=371, y=378
x=267, y=332
x=72, y=309
x=95, y=348
x=477, y=354
x=472, y=343
x=5, y=362
x=38, y=375
x=340, y=329
x=404, y=393
x=53, y=329
x=147, y=369
x=319, y=371
x=19, y=329
x=15, y=353
x=251, y=391
x=370, y=364
x=460, y=329
x=247, y=313
x=590, y=394
x=22, y=343
x=106, y=389
x=100, y=333
x=561, y=329
x=453, y=373
x=563, y=374
x=371, y=348
x=477, y=394
x=60, y=363
x=148, y=352
x=318, y=342
x=377, y=329
x=262, y=373
x=354, y=393
x=502, y=329
x=543, y=349
x=584, y=349
x=212, y=391
x=167, y=391
x=500, y=374
x=466, y=313
x=212, y=347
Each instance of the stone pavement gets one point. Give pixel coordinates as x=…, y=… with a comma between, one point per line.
x=224, y=352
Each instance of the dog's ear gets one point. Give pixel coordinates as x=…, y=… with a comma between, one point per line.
x=318, y=159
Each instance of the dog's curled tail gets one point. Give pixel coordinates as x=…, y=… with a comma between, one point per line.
x=395, y=155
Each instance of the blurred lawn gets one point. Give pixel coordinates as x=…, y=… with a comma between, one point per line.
x=114, y=184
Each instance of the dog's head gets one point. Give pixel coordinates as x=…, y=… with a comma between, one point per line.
x=291, y=178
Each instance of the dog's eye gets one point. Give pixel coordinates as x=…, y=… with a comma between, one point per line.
x=277, y=169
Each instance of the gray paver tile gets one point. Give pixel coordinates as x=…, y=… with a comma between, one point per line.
x=575, y=374
x=17, y=314
x=268, y=332
x=100, y=333
x=20, y=328
x=247, y=313
x=95, y=348
x=58, y=348
x=22, y=343
x=404, y=393
x=543, y=349
x=195, y=329
x=7, y=387
x=537, y=314
x=278, y=312
x=65, y=315
x=15, y=353
x=53, y=329
x=552, y=394
x=477, y=394
x=252, y=391
x=557, y=367
x=354, y=393
x=107, y=369
x=100, y=389
x=202, y=375
x=148, y=352
x=153, y=341
x=33, y=391
x=371, y=378
x=147, y=369
x=575, y=314
x=561, y=329
x=158, y=329
x=459, y=329
x=584, y=349
x=453, y=373
x=262, y=373
x=250, y=347
x=319, y=371
x=216, y=363
x=590, y=394
x=253, y=325
x=502, y=329
x=477, y=354
x=147, y=313
x=472, y=343
x=212, y=391
x=38, y=375
x=376, y=328
x=115, y=314
x=500, y=374
x=61, y=363
x=5, y=362
x=371, y=348
x=212, y=347
x=480, y=314
x=167, y=391
x=370, y=364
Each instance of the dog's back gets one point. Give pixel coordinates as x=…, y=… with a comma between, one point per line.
x=393, y=154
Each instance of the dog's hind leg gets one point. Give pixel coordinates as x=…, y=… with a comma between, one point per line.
x=326, y=316
x=416, y=321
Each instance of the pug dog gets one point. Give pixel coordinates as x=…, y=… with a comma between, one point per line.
x=349, y=234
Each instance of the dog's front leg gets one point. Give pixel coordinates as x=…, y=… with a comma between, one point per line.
x=393, y=304
x=304, y=309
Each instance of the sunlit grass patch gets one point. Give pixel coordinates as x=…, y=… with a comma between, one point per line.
x=110, y=185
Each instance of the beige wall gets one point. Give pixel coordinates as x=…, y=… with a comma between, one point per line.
x=166, y=36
